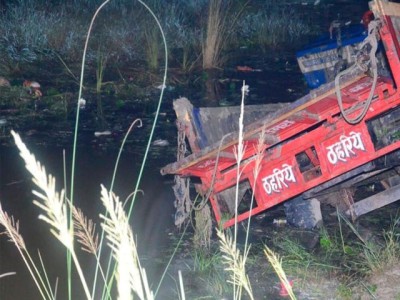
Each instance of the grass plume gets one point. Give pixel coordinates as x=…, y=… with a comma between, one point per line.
x=52, y=203
x=130, y=275
x=85, y=231
x=276, y=263
x=12, y=231
x=236, y=264
x=131, y=278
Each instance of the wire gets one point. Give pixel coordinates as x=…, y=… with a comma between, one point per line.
x=363, y=66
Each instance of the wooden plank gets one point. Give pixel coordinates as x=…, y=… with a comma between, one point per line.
x=227, y=155
x=304, y=114
x=374, y=202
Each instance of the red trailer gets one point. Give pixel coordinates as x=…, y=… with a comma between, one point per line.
x=319, y=148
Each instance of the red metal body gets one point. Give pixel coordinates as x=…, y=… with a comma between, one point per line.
x=313, y=131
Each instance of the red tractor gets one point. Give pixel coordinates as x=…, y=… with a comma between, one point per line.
x=320, y=148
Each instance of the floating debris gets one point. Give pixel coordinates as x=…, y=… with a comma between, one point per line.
x=33, y=87
x=279, y=222
x=245, y=89
x=160, y=143
x=82, y=103
x=100, y=133
x=247, y=69
x=225, y=102
x=160, y=113
x=283, y=292
x=165, y=87
x=4, y=82
x=3, y=122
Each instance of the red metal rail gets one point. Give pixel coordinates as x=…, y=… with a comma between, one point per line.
x=304, y=145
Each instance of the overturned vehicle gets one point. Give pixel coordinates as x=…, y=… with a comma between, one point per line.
x=319, y=149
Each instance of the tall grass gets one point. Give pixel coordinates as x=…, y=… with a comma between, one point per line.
x=152, y=46
x=12, y=231
x=130, y=276
x=273, y=26
x=276, y=263
x=101, y=66
x=221, y=23
x=235, y=265
x=376, y=257
x=33, y=32
x=215, y=35
x=232, y=258
x=61, y=215
x=183, y=33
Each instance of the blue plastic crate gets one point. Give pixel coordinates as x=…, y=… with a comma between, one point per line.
x=319, y=61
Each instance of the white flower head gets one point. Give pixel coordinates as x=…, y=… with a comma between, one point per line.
x=82, y=103
x=245, y=89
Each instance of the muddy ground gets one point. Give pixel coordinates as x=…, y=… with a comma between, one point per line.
x=315, y=273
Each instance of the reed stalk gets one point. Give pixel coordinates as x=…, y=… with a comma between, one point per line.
x=236, y=265
x=152, y=47
x=147, y=149
x=74, y=147
x=221, y=22
x=12, y=231
x=52, y=204
x=130, y=276
x=276, y=263
x=101, y=66
x=215, y=35
x=61, y=215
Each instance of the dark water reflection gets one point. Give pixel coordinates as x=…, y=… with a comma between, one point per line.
x=151, y=218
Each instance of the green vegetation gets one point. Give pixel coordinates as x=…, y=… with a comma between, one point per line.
x=274, y=26
x=33, y=32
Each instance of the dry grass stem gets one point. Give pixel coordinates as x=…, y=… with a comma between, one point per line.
x=276, y=263
x=260, y=148
x=236, y=264
x=7, y=274
x=85, y=231
x=130, y=276
x=53, y=204
x=239, y=151
x=181, y=289
x=46, y=278
x=203, y=228
x=12, y=229
x=214, y=39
